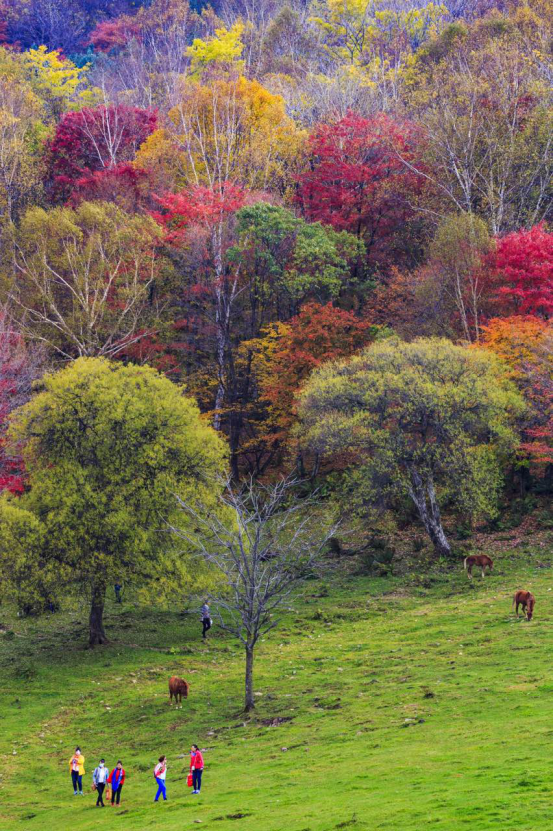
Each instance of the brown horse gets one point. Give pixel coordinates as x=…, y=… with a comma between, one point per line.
x=178, y=687
x=527, y=601
x=480, y=560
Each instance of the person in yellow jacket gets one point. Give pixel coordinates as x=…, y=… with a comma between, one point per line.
x=76, y=766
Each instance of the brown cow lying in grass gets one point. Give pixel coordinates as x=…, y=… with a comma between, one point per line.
x=526, y=600
x=480, y=560
x=178, y=687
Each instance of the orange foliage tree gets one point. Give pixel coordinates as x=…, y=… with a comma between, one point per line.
x=285, y=357
x=525, y=343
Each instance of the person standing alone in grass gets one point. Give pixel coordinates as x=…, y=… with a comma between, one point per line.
x=76, y=766
x=117, y=780
x=160, y=772
x=196, y=767
x=99, y=780
x=206, y=620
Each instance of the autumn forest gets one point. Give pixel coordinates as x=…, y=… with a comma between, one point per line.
x=329, y=221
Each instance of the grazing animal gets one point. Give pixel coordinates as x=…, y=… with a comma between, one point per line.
x=527, y=601
x=178, y=687
x=480, y=560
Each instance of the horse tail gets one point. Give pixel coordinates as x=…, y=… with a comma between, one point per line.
x=465, y=563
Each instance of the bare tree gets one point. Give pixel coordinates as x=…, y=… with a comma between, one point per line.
x=487, y=138
x=265, y=541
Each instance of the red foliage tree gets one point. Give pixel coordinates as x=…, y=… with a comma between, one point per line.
x=126, y=185
x=521, y=267
x=356, y=181
x=3, y=23
x=199, y=222
x=19, y=366
x=199, y=206
x=539, y=442
x=112, y=35
x=94, y=140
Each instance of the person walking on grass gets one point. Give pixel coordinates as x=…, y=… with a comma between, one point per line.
x=206, y=620
x=99, y=781
x=160, y=772
x=117, y=780
x=196, y=768
x=76, y=767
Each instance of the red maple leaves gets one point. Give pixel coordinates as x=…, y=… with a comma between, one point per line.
x=522, y=268
x=94, y=140
x=359, y=180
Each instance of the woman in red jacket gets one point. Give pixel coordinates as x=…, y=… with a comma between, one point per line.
x=196, y=767
x=117, y=780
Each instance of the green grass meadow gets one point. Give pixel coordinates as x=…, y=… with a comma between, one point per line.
x=413, y=702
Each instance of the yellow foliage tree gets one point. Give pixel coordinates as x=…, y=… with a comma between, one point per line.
x=57, y=80
x=222, y=50
x=230, y=130
x=358, y=31
x=20, y=130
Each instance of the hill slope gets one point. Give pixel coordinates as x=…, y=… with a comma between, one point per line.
x=409, y=707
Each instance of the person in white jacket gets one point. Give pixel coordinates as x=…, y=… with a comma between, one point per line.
x=160, y=772
x=99, y=779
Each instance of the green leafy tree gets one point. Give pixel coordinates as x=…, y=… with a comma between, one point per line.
x=429, y=420
x=289, y=261
x=108, y=449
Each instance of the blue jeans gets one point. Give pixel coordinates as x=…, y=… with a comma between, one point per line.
x=77, y=781
x=161, y=789
x=197, y=779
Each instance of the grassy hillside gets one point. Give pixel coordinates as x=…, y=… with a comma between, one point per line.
x=409, y=703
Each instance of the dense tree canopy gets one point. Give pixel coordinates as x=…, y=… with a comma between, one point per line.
x=241, y=195
x=107, y=449
x=429, y=420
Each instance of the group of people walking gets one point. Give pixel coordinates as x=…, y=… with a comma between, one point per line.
x=102, y=777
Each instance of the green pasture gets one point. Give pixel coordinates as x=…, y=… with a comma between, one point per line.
x=414, y=702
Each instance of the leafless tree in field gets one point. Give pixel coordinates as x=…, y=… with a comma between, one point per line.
x=265, y=541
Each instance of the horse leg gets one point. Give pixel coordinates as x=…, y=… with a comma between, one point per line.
x=517, y=608
x=483, y=572
x=170, y=699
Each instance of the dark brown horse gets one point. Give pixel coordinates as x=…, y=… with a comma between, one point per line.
x=527, y=601
x=480, y=560
x=178, y=687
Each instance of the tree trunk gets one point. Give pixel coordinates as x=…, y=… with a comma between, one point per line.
x=424, y=497
x=97, y=634
x=250, y=700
